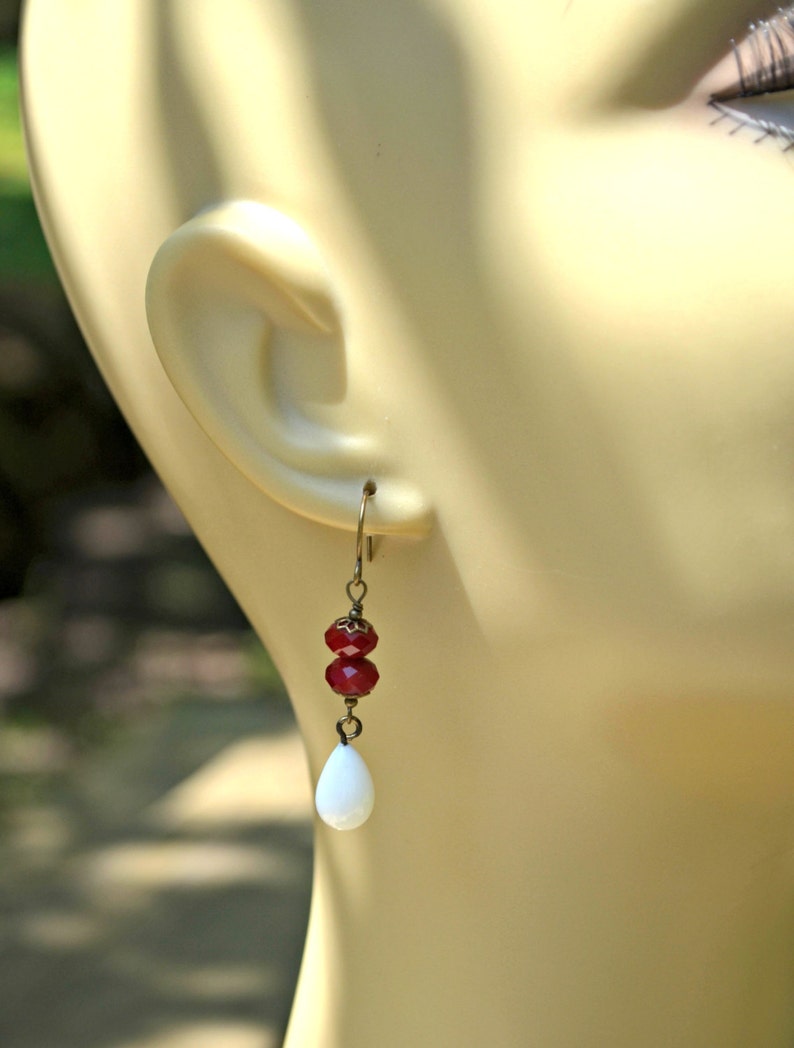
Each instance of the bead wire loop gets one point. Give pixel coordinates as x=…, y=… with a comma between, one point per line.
x=343, y=724
x=356, y=600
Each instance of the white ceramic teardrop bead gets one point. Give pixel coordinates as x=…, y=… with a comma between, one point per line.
x=345, y=792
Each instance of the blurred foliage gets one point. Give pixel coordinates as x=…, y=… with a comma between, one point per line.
x=13, y=169
x=117, y=607
x=23, y=251
x=59, y=429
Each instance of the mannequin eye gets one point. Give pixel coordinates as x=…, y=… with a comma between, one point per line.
x=762, y=96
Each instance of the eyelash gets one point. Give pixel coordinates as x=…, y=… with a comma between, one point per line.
x=765, y=65
x=771, y=55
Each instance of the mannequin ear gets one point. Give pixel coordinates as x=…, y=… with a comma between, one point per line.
x=243, y=316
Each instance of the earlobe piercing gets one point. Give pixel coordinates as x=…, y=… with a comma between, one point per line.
x=345, y=793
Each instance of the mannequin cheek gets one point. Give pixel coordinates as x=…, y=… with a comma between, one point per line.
x=658, y=271
x=662, y=224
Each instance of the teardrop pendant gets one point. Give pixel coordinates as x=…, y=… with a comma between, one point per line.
x=345, y=792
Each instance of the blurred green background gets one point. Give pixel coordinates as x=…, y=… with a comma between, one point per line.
x=153, y=894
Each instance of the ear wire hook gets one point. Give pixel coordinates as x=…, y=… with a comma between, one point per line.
x=367, y=493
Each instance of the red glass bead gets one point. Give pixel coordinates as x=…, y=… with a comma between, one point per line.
x=351, y=638
x=352, y=677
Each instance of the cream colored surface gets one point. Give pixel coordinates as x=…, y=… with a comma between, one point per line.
x=495, y=257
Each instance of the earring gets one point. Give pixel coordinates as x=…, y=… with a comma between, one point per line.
x=345, y=793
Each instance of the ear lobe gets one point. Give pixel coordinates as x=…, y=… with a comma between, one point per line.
x=243, y=315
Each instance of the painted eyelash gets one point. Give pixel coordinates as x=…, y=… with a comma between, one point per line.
x=765, y=58
x=765, y=65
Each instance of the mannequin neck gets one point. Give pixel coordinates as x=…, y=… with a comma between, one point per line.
x=604, y=870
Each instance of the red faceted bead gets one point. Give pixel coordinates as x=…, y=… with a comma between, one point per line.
x=352, y=677
x=351, y=638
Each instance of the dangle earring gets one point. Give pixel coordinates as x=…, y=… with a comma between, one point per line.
x=345, y=793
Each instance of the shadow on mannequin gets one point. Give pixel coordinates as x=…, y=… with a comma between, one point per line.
x=431, y=245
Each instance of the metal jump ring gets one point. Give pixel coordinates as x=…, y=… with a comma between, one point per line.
x=344, y=735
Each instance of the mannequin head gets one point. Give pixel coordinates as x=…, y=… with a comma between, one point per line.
x=494, y=257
